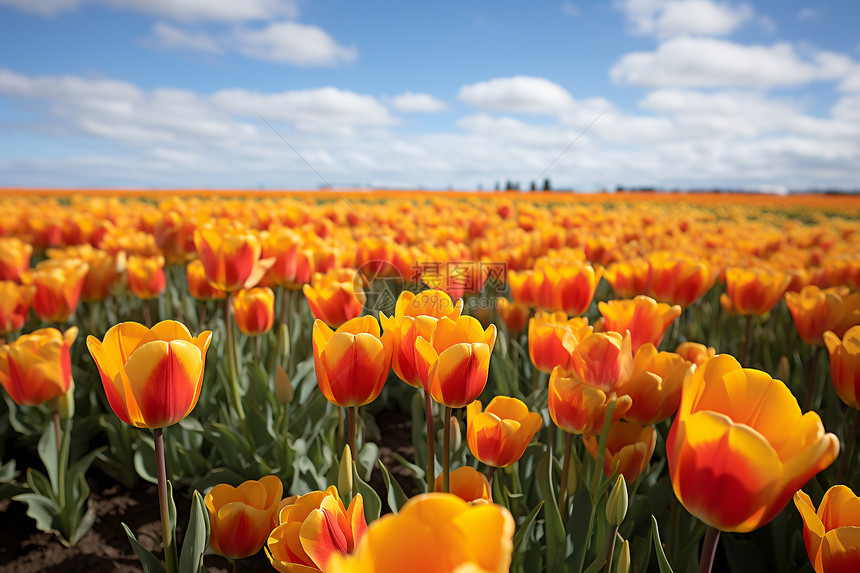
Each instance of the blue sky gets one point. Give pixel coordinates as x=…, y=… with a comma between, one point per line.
x=682, y=93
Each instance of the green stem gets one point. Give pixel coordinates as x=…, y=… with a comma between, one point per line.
x=601, y=450
x=166, y=531
x=446, y=452
x=709, y=549
x=565, y=471
x=610, y=550
x=235, y=392
x=350, y=423
x=747, y=340
x=431, y=438
x=63, y=446
x=810, y=385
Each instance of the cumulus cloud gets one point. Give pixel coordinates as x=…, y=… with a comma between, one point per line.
x=172, y=38
x=417, y=102
x=709, y=62
x=184, y=10
x=518, y=94
x=293, y=43
x=667, y=18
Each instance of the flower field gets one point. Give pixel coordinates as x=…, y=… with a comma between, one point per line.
x=407, y=381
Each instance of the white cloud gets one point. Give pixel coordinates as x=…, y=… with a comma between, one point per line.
x=178, y=138
x=184, y=10
x=666, y=18
x=417, y=102
x=570, y=9
x=293, y=43
x=172, y=38
x=518, y=94
x=808, y=13
x=708, y=62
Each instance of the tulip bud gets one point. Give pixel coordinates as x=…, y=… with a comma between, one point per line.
x=616, y=505
x=623, y=565
x=64, y=404
x=456, y=435
x=283, y=387
x=783, y=369
x=344, y=473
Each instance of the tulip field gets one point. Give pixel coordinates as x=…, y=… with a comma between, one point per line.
x=430, y=382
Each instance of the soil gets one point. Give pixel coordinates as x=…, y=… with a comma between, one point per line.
x=25, y=549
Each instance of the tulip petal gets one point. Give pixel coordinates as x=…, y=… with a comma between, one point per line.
x=840, y=551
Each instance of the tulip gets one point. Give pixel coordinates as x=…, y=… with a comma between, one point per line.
x=352, y=362
x=198, y=285
x=241, y=518
x=333, y=301
x=313, y=529
x=739, y=446
x=629, y=447
x=845, y=365
x=679, y=279
x=498, y=436
x=104, y=272
x=815, y=311
x=14, y=258
x=429, y=302
x=230, y=257
x=15, y=303
x=515, y=315
x=453, y=364
x=146, y=276
x=753, y=291
x=553, y=339
x=435, y=532
x=254, y=310
x=152, y=377
x=521, y=285
x=832, y=533
x=603, y=360
x=293, y=264
x=694, y=352
x=37, y=366
x=468, y=484
x=655, y=385
x=569, y=288
x=58, y=288
x=579, y=408
x=645, y=318
x=628, y=278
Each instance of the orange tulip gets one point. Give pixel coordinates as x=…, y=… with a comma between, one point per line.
x=845, y=365
x=628, y=278
x=14, y=258
x=603, y=360
x=694, y=352
x=58, y=288
x=254, y=310
x=468, y=484
x=105, y=271
x=152, y=377
x=629, y=448
x=753, y=291
x=15, y=303
x=515, y=315
x=146, y=276
x=739, y=446
x=521, y=285
x=434, y=532
x=333, y=301
x=241, y=518
x=815, y=311
x=230, y=257
x=198, y=285
x=831, y=534
x=655, y=385
x=679, y=279
x=37, y=366
x=498, y=436
x=579, y=408
x=429, y=302
x=645, y=318
x=568, y=288
x=553, y=338
x=293, y=263
x=351, y=363
x=453, y=364
x=312, y=529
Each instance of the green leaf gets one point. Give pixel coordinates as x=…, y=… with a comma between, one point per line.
x=47, y=449
x=367, y=456
x=396, y=496
x=417, y=470
x=40, y=484
x=40, y=508
x=556, y=542
x=372, y=503
x=149, y=562
x=84, y=525
x=196, y=537
x=525, y=527
x=658, y=548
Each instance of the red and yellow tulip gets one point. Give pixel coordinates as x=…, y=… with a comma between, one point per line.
x=146, y=276
x=629, y=447
x=845, y=365
x=498, y=436
x=753, y=291
x=645, y=318
x=37, y=366
x=15, y=303
x=831, y=533
x=254, y=310
x=241, y=518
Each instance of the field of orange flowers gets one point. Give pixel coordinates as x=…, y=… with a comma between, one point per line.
x=614, y=382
